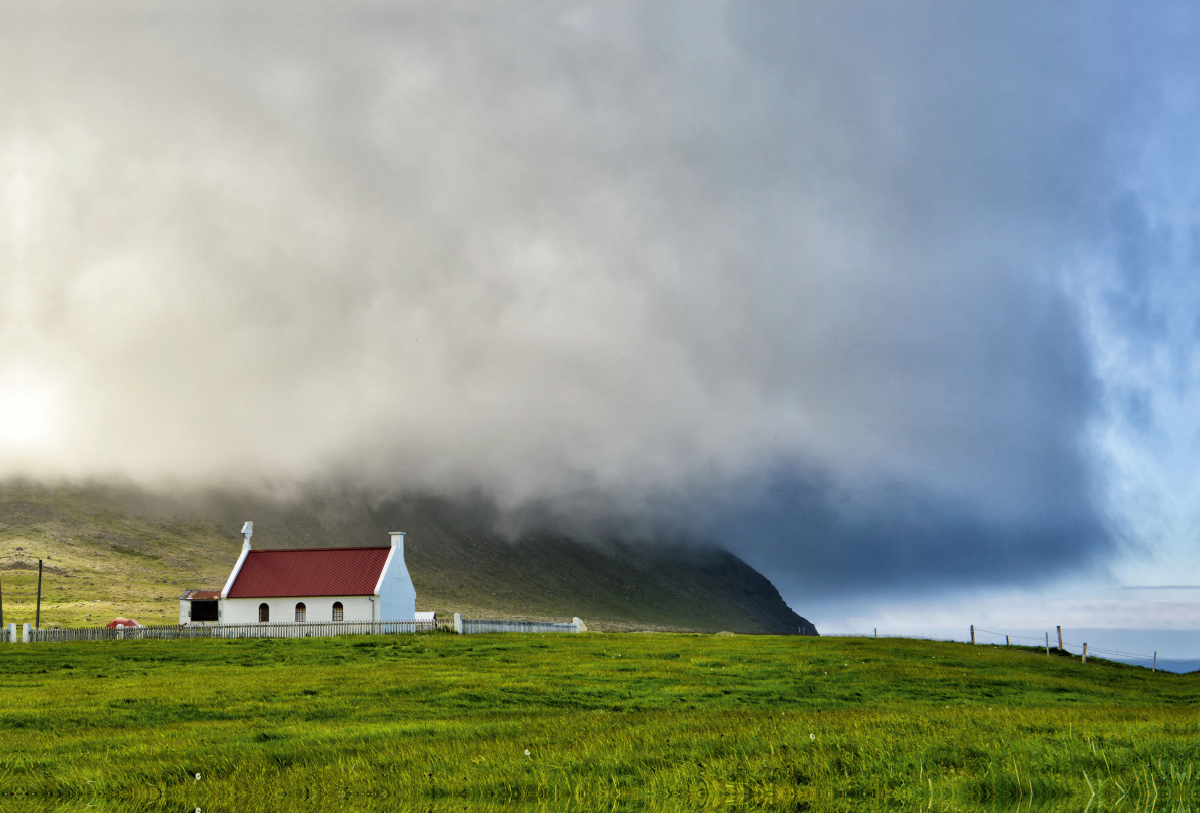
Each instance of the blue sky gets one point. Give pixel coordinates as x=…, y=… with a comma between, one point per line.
x=898, y=302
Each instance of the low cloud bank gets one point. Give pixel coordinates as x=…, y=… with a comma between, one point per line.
x=790, y=278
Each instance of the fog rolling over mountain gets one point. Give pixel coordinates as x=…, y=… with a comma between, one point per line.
x=132, y=552
x=833, y=287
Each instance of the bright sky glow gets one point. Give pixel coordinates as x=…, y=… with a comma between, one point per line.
x=29, y=412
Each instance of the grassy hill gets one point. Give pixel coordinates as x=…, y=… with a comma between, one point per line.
x=110, y=551
x=586, y=722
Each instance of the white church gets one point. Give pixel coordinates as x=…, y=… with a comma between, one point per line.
x=307, y=585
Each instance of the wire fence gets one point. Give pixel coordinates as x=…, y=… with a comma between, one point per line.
x=1050, y=642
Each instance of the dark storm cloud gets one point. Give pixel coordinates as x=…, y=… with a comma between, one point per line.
x=647, y=259
x=964, y=146
x=819, y=542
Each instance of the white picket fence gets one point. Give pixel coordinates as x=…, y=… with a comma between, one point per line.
x=463, y=626
x=475, y=626
x=272, y=630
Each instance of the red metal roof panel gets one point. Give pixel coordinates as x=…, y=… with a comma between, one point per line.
x=310, y=572
x=201, y=594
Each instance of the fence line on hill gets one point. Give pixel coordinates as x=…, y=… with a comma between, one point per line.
x=1055, y=643
x=269, y=630
x=1050, y=643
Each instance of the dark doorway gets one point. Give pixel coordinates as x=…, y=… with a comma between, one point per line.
x=204, y=611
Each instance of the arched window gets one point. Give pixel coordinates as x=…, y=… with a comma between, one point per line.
x=337, y=611
x=300, y=612
x=264, y=613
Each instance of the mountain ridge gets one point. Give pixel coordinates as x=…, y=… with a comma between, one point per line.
x=125, y=550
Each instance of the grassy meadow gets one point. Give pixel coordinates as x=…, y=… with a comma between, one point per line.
x=648, y=720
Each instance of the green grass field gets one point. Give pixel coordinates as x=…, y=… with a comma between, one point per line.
x=624, y=720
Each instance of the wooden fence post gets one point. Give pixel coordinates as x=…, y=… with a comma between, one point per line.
x=37, y=618
x=972, y=633
x=1154, y=666
x=1047, y=645
x=1085, y=651
x=1006, y=640
x=1060, y=646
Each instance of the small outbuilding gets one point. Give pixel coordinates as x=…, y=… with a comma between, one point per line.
x=121, y=622
x=306, y=585
x=200, y=607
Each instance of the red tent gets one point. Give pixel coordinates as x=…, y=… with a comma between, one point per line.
x=121, y=622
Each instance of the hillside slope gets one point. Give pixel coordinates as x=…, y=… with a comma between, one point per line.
x=111, y=551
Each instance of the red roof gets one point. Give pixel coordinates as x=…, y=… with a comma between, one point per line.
x=310, y=572
x=201, y=594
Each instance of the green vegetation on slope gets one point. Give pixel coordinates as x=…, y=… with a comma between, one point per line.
x=101, y=559
x=363, y=723
x=115, y=552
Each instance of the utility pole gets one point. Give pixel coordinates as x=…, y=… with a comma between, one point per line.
x=37, y=618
